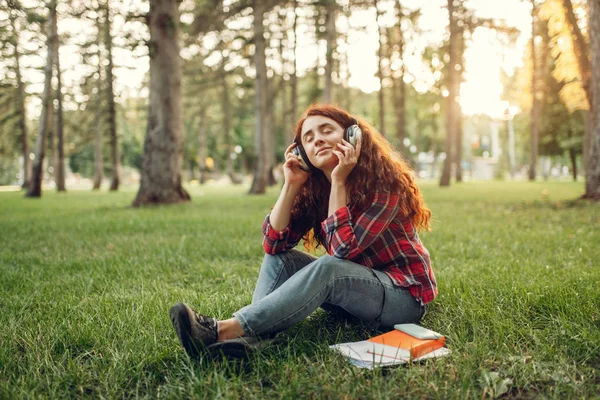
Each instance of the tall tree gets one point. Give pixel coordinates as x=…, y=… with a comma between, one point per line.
x=380, y=57
x=262, y=134
x=35, y=184
x=163, y=146
x=581, y=52
x=21, y=95
x=294, y=77
x=110, y=101
x=592, y=182
x=98, y=120
x=331, y=37
x=59, y=172
x=453, y=82
x=536, y=104
x=398, y=85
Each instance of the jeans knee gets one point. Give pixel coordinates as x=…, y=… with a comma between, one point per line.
x=324, y=267
x=271, y=260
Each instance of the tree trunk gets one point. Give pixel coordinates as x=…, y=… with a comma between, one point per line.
x=511, y=147
x=98, y=123
x=331, y=36
x=226, y=109
x=458, y=132
x=110, y=103
x=35, y=184
x=59, y=172
x=294, y=77
x=572, y=157
x=453, y=92
x=21, y=106
x=203, y=149
x=163, y=146
x=399, y=86
x=261, y=169
x=535, y=101
x=380, y=53
x=592, y=179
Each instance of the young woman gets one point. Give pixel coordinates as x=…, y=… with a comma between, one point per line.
x=357, y=199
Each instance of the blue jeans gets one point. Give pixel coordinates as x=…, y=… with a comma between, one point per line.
x=292, y=285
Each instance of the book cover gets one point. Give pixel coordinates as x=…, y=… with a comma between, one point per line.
x=416, y=347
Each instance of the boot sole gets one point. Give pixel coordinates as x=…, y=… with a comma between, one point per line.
x=181, y=323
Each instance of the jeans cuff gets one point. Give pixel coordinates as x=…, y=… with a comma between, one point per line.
x=247, y=330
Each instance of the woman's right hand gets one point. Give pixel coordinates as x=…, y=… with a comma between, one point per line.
x=293, y=173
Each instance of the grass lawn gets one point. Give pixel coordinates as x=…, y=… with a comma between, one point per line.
x=86, y=284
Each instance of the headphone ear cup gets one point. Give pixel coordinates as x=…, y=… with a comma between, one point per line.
x=352, y=134
x=303, y=159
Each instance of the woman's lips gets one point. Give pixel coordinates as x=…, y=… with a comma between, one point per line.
x=326, y=148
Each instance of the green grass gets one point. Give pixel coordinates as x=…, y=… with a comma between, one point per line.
x=86, y=284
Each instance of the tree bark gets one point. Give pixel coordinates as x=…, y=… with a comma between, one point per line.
x=98, y=121
x=399, y=86
x=35, y=184
x=226, y=109
x=535, y=101
x=453, y=92
x=110, y=103
x=380, y=53
x=331, y=36
x=458, y=173
x=294, y=77
x=262, y=167
x=21, y=106
x=163, y=146
x=572, y=157
x=592, y=180
x=203, y=149
x=59, y=172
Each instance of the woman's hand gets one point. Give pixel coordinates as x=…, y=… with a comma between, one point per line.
x=293, y=173
x=348, y=157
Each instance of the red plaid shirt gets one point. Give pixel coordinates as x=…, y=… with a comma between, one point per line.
x=377, y=238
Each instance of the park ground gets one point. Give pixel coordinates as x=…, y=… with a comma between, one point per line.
x=86, y=283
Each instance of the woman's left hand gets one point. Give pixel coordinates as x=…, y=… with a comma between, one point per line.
x=348, y=157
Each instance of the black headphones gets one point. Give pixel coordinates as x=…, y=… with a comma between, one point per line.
x=351, y=134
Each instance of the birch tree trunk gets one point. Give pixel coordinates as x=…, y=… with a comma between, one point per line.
x=262, y=167
x=21, y=106
x=35, y=184
x=592, y=180
x=163, y=146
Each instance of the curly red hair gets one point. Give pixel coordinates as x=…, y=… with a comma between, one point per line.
x=393, y=175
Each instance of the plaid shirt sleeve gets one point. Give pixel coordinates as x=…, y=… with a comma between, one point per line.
x=348, y=237
x=275, y=242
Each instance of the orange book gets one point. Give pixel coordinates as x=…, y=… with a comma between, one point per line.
x=417, y=347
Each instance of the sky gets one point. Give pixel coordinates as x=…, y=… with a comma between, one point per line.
x=484, y=57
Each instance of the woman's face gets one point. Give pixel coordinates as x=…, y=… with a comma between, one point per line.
x=320, y=135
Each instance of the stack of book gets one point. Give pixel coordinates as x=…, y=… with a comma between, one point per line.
x=406, y=343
